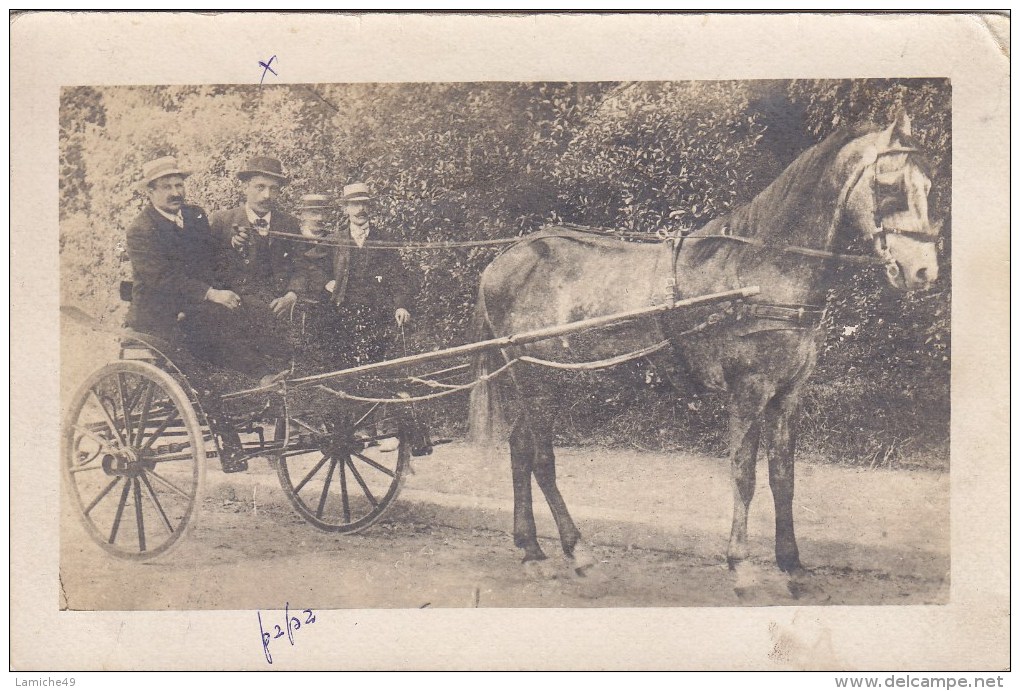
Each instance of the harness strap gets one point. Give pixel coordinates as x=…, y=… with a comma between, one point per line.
x=802, y=315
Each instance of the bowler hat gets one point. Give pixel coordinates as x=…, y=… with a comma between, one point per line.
x=159, y=168
x=263, y=165
x=314, y=202
x=356, y=192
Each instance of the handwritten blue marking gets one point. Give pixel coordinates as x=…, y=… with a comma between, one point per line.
x=266, y=68
x=293, y=624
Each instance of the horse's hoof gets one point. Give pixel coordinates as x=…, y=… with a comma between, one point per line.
x=760, y=585
x=582, y=559
x=804, y=585
x=539, y=569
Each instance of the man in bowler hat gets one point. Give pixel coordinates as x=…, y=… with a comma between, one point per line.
x=259, y=267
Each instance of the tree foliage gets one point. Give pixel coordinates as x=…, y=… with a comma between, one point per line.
x=478, y=161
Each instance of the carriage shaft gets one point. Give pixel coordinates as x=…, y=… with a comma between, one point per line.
x=512, y=340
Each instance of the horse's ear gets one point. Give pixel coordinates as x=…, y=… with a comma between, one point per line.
x=899, y=131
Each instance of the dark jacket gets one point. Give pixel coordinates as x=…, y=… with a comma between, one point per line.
x=172, y=268
x=373, y=277
x=267, y=263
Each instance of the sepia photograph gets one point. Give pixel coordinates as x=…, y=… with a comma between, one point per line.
x=407, y=341
x=306, y=300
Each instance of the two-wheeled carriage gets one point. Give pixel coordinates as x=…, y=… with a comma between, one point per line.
x=141, y=430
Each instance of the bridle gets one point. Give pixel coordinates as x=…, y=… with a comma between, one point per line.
x=884, y=193
x=882, y=209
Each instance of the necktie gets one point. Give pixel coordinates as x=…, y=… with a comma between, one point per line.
x=261, y=226
x=179, y=220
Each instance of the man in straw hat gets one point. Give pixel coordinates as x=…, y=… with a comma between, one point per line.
x=177, y=295
x=368, y=289
x=258, y=265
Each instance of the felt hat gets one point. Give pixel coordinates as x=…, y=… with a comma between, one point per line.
x=159, y=168
x=263, y=165
x=356, y=192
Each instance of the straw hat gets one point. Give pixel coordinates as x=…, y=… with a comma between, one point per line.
x=356, y=192
x=159, y=168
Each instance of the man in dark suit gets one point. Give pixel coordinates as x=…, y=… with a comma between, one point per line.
x=176, y=289
x=368, y=292
x=259, y=267
x=178, y=296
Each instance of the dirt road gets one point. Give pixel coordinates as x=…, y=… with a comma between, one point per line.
x=658, y=530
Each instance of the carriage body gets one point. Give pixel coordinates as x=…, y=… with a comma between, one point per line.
x=140, y=431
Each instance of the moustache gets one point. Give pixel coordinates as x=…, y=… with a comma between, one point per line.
x=176, y=199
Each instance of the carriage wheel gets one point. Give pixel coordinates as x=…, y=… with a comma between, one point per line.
x=340, y=477
x=133, y=459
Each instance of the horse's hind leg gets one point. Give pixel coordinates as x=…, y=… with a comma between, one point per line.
x=545, y=475
x=522, y=456
x=749, y=399
x=781, y=440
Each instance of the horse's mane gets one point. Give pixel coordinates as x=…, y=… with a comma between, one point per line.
x=786, y=205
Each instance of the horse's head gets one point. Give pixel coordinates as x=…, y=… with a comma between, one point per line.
x=887, y=200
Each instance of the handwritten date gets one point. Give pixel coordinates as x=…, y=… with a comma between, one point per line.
x=293, y=622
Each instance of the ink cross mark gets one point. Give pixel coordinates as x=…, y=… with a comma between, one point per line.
x=266, y=68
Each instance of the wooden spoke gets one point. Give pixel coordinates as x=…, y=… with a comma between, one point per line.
x=143, y=417
x=169, y=485
x=343, y=492
x=159, y=430
x=128, y=428
x=302, y=423
x=361, y=481
x=311, y=473
x=365, y=416
x=138, y=515
x=155, y=503
x=325, y=488
x=96, y=438
x=106, y=415
x=103, y=493
x=374, y=464
x=120, y=512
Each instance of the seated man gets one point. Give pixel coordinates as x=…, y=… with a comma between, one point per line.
x=177, y=296
x=258, y=265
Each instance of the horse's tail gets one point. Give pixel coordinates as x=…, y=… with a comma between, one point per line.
x=486, y=420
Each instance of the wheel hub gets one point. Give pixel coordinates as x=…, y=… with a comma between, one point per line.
x=126, y=462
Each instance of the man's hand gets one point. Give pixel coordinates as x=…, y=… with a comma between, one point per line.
x=227, y=298
x=402, y=316
x=239, y=239
x=282, y=306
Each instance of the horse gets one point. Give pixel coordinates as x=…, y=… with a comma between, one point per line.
x=869, y=183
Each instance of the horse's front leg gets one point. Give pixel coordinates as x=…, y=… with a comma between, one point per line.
x=781, y=440
x=749, y=399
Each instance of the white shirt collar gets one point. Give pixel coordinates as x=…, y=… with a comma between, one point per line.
x=252, y=216
x=176, y=219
